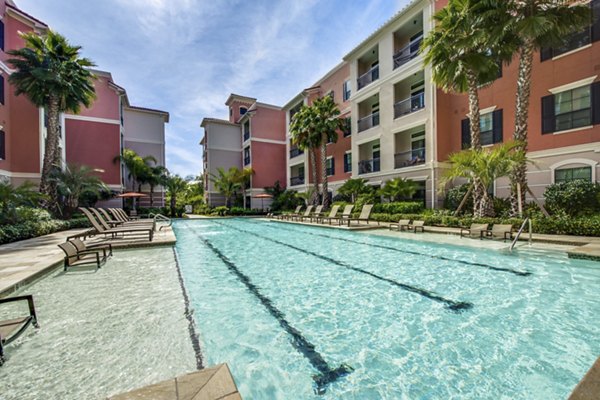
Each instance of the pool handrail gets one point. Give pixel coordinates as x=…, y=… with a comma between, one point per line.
x=160, y=217
x=514, y=242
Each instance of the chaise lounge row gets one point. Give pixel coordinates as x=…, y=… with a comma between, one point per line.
x=318, y=216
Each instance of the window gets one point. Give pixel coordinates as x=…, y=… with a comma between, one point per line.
x=490, y=125
x=330, y=166
x=348, y=162
x=246, y=130
x=346, y=91
x=2, y=145
x=347, y=127
x=571, y=109
x=572, y=174
x=243, y=110
x=246, y=155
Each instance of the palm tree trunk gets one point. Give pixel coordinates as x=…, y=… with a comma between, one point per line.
x=151, y=196
x=313, y=171
x=519, y=175
x=51, y=153
x=324, y=182
x=486, y=206
x=475, y=127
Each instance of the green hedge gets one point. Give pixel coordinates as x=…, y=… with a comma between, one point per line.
x=31, y=229
x=403, y=207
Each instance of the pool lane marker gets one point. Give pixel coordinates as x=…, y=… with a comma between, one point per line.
x=326, y=374
x=189, y=316
x=510, y=270
x=453, y=305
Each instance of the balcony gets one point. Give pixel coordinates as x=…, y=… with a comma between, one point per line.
x=296, y=180
x=368, y=122
x=246, y=135
x=408, y=52
x=410, y=105
x=369, y=166
x=409, y=158
x=295, y=152
x=368, y=77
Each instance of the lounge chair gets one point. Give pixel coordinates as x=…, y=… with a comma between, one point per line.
x=306, y=214
x=401, y=225
x=498, y=231
x=121, y=215
x=81, y=246
x=346, y=215
x=76, y=258
x=332, y=213
x=474, y=231
x=416, y=226
x=103, y=230
x=315, y=214
x=102, y=214
x=11, y=329
x=365, y=213
x=296, y=213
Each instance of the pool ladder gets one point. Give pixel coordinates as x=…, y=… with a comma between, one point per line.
x=161, y=218
x=514, y=242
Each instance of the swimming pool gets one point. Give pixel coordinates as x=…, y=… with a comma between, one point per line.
x=303, y=312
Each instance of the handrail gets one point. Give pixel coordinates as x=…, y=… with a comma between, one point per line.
x=514, y=242
x=160, y=217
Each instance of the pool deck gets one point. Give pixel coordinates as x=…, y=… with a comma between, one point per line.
x=207, y=384
x=25, y=261
x=589, y=387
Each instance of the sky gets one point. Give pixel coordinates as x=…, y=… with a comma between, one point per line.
x=187, y=56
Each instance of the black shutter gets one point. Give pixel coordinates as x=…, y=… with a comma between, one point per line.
x=497, y=121
x=595, y=103
x=546, y=53
x=548, y=117
x=2, y=89
x=2, y=145
x=465, y=133
x=595, y=20
x=332, y=166
x=2, y=35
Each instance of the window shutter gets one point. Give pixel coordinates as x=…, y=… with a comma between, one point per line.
x=596, y=103
x=465, y=133
x=595, y=20
x=333, y=166
x=546, y=54
x=497, y=121
x=2, y=89
x=2, y=145
x=2, y=35
x=548, y=117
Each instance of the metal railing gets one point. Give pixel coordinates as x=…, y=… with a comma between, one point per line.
x=410, y=105
x=161, y=218
x=295, y=152
x=368, y=122
x=368, y=77
x=296, y=180
x=514, y=242
x=409, y=158
x=368, y=166
x=408, y=52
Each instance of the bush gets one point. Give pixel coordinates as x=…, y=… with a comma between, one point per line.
x=455, y=195
x=31, y=229
x=221, y=211
x=341, y=198
x=401, y=207
x=27, y=214
x=202, y=209
x=574, y=198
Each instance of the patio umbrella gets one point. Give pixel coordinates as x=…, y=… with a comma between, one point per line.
x=262, y=197
x=132, y=195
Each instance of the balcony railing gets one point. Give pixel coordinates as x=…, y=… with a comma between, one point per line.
x=296, y=180
x=408, y=52
x=246, y=136
x=368, y=77
x=410, y=105
x=409, y=158
x=368, y=166
x=295, y=152
x=368, y=122
x=246, y=160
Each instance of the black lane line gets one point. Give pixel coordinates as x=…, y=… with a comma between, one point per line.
x=326, y=374
x=189, y=316
x=509, y=270
x=451, y=304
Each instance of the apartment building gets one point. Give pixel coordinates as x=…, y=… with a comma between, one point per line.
x=94, y=137
x=336, y=83
x=253, y=137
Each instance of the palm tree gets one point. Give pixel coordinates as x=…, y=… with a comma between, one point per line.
x=137, y=167
x=12, y=197
x=72, y=182
x=464, y=55
x=50, y=72
x=398, y=189
x=175, y=185
x=243, y=178
x=307, y=138
x=307, y=196
x=155, y=176
x=484, y=166
x=354, y=187
x=529, y=26
x=227, y=183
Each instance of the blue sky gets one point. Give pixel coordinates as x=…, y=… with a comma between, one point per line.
x=187, y=56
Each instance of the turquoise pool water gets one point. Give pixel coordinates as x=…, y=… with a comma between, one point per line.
x=302, y=312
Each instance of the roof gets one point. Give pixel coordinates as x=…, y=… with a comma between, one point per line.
x=242, y=99
x=10, y=5
x=400, y=13
x=165, y=114
x=299, y=97
x=207, y=121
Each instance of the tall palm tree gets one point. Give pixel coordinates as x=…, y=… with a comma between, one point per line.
x=137, y=167
x=51, y=73
x=464, y=55
x=484, y=166
x=532, y=25
x=156, y=175
x=243, y=177
x=307, y=138
x=398, y=189
x=175, y=186
x=227, y=183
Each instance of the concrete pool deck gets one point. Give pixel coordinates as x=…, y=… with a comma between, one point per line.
x=24, y=261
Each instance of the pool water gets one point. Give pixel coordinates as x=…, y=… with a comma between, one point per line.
x=102, y=332
x=303, y=312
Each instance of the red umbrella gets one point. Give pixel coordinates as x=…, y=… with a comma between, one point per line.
x=262, y=197
x=132, y=195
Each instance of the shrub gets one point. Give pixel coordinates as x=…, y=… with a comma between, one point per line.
x=341, y=198
x=402, y=207
x=574, y=198
x=27, y=214
x=221, y=210
x=455, y=195
x=202, y=209
x=31, y=229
